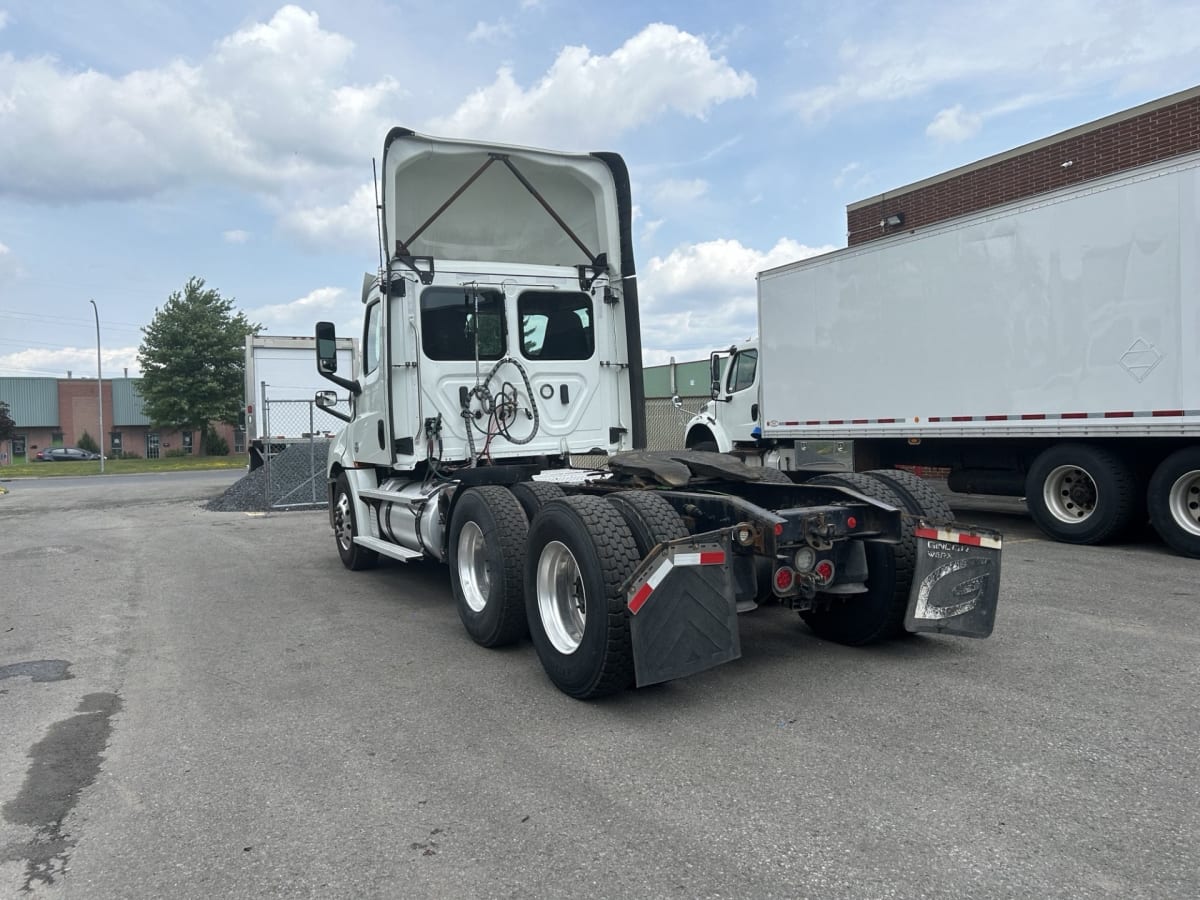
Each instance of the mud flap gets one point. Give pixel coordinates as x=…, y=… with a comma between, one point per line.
x=956, y=583
x=682, y=609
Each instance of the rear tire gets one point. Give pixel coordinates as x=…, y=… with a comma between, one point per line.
x=1080, y=494
x=651, y=519
x=919, y=496
x=1173, y=497
x=579, y=553
x=487, y=557
x=345, y=529
x=533, y=495
x=879, y=613
x=706, y=447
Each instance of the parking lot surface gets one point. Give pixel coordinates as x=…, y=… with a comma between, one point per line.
x=201, y=704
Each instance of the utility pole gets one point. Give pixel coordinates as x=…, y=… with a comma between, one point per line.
x=99, y=385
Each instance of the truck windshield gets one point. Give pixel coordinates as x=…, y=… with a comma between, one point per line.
x=449, y=325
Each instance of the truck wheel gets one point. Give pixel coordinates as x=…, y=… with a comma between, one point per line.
x=1080, y=494
x=533, y=495
x=651, y=519
x=579, y=553
x=345, y=529
x=706, y=447
x=1173, y=498
x=879, y=613
x=920, y=498
x=487, y=554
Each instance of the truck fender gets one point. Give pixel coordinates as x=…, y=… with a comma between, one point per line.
x=701, y=428
x=358, y=479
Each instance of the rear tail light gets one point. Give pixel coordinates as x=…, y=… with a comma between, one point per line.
x=784, y=579
x=824, y=572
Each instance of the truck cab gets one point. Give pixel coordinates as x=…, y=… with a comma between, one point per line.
x=730, y=417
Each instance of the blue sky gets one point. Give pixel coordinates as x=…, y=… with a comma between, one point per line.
x=142, y=143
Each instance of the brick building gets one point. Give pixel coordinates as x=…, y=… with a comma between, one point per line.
x=55, y=412
x=1144, y=134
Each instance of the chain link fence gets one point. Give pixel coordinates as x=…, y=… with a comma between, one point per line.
x=296, y=436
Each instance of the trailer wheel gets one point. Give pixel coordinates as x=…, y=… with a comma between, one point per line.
x=879, y=613
x=487, y=554
x=651, y=519
x=1173, y=498
x=1080, y=494
x=918, y=495
x=580, y=552
x=345, y=529
x=533, y=495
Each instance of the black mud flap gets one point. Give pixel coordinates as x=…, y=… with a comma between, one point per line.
x=682, y=609
x=957, y=581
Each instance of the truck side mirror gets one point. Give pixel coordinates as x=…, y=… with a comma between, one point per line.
x=326, y=399
x=326, y=349
x=714, y=375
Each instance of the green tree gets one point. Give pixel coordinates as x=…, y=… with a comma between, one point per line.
x=87, y=442
x=7, y=426
x=193, y=359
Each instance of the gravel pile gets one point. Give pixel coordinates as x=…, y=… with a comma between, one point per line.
x=294, y=477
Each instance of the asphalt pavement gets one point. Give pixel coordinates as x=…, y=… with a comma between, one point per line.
x=201, y=704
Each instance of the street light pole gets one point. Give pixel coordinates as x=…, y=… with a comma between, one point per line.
x=99, y=384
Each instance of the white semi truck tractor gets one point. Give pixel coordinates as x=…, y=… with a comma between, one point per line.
x=1047, y=349
x=500, y=341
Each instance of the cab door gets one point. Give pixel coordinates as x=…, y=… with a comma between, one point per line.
x=370, y=437
x=740, y=415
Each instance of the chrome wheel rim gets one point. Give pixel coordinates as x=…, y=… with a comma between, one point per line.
x=343, y=522
x=1184, y=502
x=1070, y=494
x=561, y=599
x=473, y=574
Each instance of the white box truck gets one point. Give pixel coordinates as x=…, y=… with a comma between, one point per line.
x=280, y=386
x=1049, y=348
x=500, y=339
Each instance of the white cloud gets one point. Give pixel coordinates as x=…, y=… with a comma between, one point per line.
x=703, y=295
x=3, y=19
x=79, y=361
x=298, y=316
x=236, y=236
x=9, y=267
x=489, y=32
x=350, y=225
x=954, y=124
x=842, y=176
x=585, y=99
x=269, y=106
x=675, y=192
x=1077, y=44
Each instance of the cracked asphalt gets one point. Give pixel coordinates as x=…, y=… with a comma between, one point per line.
x=203, y=704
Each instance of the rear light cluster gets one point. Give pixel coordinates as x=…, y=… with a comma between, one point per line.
x=806, y=563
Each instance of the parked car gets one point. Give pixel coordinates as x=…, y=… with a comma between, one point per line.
x=67, y=454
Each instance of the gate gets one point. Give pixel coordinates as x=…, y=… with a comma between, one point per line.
x=296, y=436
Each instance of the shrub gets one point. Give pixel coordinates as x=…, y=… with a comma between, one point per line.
x=215, y=445
x=87, y=442
x=175, y=453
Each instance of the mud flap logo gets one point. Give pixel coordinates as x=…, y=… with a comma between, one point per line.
x=956, y=582
x=965, y=593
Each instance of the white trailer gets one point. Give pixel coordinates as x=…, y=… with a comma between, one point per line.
x=280, y=386
x=1049, y=348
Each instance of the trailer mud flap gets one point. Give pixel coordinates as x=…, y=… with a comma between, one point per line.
x=956, y=583
x=682, y=610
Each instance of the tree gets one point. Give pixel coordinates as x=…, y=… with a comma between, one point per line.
x=7, y=426
x=87, y=442
x=193, y=359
